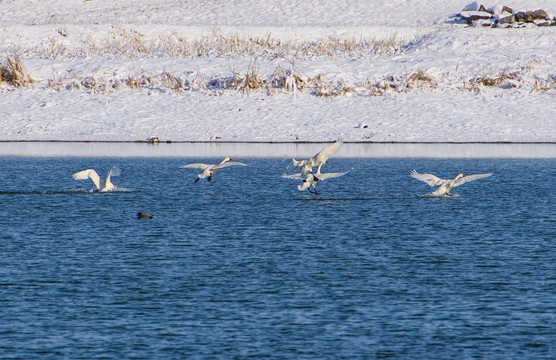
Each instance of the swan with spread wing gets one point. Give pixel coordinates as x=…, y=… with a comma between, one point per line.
x=210, y=169
x=444, y=186
x=319, y=159
x=101, y=186
x=310, y=179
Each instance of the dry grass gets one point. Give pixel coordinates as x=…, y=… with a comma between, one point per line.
x=280, y=81
x=14, y=73
x=173, y=82
x=322, y=88
x=198, y=83
x=420, y=80
x=417, y=81
x=287, y=80
x=250, y=82
x=125, y=42
x=136, y=82
x=504, y=79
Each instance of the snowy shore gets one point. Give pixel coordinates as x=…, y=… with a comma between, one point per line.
x=290, y=71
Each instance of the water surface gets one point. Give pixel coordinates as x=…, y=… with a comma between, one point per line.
x=248, y=266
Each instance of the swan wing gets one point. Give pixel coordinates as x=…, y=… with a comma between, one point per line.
x=298, y=163
x=197, y=166
x=468, y=178
x=328, y=151
x=114, y=172
x=229, y=163
x=88, y=174
x=298, y=176
x=430, y=179
x=324, y=176
x=82, y=175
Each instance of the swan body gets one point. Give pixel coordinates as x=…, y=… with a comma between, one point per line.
x=444, y=186
x=306, y=166
x=102, y=186
x=210, y=169
x=310, y=179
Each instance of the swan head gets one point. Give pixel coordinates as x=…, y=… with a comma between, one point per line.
x=459, y=176
x=227, y=158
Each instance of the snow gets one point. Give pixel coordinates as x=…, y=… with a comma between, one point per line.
x=362, y=71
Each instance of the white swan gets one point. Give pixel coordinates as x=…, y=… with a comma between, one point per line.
x=319, y=159
x=300, y=163
x=92, y=174
x=210, y=169
x=444, y=186
x=310, y=179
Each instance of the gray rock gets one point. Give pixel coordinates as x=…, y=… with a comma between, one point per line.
x=499, y=9
x=530, y=16
x=542, y=22
x=474, y=6
x=506, y=19
x=471, y=16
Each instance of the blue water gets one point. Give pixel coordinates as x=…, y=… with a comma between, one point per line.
x=248, y=266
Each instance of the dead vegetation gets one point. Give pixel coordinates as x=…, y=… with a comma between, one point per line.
x=420, y=80
x=124, y=43
x=505, y=79
x=281, y=81
x=14, y=73
x=174, y=83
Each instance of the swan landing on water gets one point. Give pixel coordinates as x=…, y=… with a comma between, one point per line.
x=444, y=186
x=210, y=169
x=319, y=159
x=310, y=180
x=100, y=185
x=306, y=174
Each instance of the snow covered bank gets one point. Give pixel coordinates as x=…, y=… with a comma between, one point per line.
x=78, y=115
x=285, y=71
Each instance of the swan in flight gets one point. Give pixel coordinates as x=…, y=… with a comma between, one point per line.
x=319, y=159
x=92, y=174
x=210, y=169
x=444, y=186
x=310, y=179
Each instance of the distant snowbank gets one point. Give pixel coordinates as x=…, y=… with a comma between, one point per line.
x=274, y=13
